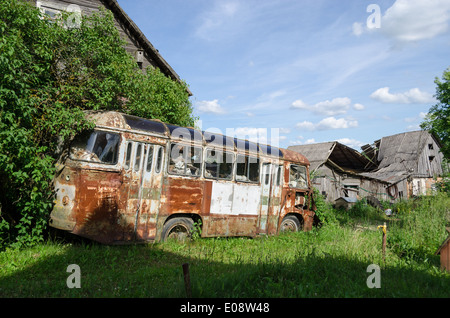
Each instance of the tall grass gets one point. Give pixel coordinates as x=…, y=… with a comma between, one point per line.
x=329, y=261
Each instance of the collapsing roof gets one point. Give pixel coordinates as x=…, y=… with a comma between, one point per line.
x=337, y=155
x=398, y=155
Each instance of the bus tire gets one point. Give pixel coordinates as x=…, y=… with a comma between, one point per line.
x=290, y=223
x=178, y=228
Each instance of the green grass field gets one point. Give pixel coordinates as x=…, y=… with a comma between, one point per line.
x=330, y=261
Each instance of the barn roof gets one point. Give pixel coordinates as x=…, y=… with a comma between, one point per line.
x=335, y=154
x=398, y=155
x=151, y=51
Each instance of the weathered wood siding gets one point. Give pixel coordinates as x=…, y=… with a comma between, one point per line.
x=334, y=185
x=430, y=159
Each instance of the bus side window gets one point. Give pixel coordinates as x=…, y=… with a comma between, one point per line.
x=137, y=157
x=128, y=155
x=149, y=158
x=279, y=175
x=159, y=159
x=247, y=168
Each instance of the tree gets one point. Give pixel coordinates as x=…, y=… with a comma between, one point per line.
x=437, y=120
x=50, y=75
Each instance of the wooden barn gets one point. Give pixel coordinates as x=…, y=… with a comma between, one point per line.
x=336, y=171
x=409, y=162
x=394, y=167
x=137, y=43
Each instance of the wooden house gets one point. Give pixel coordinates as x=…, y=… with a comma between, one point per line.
x=409, y=162
x=137, y=43
x=394, y=167
x=336, y=171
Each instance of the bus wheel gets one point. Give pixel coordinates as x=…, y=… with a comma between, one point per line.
x=290, y=223
x=178, y=229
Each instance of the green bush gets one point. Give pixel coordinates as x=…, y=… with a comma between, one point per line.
x=420, y=228
x=50, y=75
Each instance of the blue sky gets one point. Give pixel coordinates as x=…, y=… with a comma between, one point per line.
x=290, y=72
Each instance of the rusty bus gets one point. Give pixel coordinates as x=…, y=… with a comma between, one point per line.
x=138, y=180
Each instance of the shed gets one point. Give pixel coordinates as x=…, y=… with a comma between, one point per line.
x=336, y=171
x=408, y=162
x=345, y=202
x=444, y=251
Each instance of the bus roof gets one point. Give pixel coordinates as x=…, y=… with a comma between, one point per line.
x=119, y=120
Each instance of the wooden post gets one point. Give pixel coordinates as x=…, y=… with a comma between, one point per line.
x=383, y=244
x=187, y=280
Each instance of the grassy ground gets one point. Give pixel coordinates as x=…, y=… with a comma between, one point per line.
x=330, y=261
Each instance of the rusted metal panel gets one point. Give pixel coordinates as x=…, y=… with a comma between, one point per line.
x=129, y=198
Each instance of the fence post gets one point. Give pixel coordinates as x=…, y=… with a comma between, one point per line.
x=383, y=245
x=187, y=280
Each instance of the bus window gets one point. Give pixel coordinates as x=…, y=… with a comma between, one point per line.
x=279, y=175
x=137, y=157
x=159, y=159
x=219, y=164
x=297, y=177
x=247, y=168
x=185, y=160
x=149, y=158
x=128, y=155
x=97, y=146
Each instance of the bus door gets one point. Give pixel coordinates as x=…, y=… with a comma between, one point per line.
x=150, y=180
x=266, y=180
x=275, y=198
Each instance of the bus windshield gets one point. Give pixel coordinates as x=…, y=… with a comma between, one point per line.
x=97, y=146
x=297, y=177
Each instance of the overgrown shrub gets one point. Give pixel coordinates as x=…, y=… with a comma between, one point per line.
x=50, y=74
x=324, y=210
x=420, y=226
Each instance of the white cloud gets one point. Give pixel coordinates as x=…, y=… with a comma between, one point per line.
x=414, y=20
x=259, y=135
x=358, y=106
x=336, y=106
x=352, y=143
x=211, y=106
x=357, y=28
x=218, y=19
x=328, y=123
x=411, y=20
x=413, y=96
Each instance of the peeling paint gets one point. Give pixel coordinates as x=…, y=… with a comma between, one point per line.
x=131, y=199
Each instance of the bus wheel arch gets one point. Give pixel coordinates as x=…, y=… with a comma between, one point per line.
x=180, y=227
x=291, y=222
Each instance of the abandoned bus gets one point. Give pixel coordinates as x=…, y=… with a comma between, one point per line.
x=136, y=180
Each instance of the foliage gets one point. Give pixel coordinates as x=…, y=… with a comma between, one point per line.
x=50, y=75
x=330, y=261
x=421, y=226
x=438, y=119
x=324, y=210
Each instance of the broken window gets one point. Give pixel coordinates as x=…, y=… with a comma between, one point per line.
x=247, y=168
x=97, y=146
x=219, y=164
x=297, y=177
x=159, y=159
x=185, y=160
